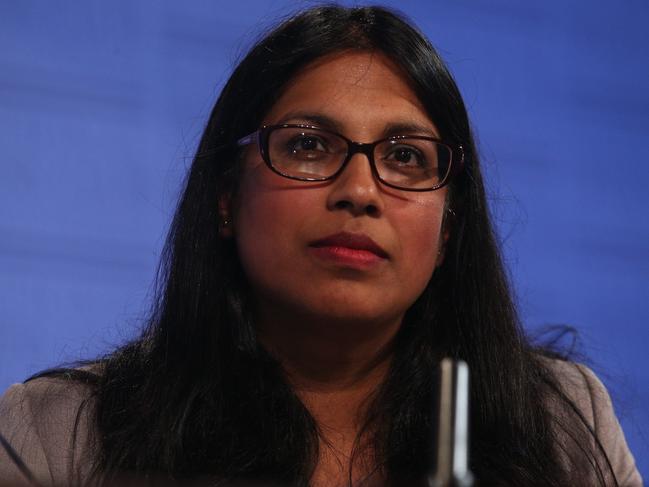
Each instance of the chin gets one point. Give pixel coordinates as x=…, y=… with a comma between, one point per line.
x=350, y=312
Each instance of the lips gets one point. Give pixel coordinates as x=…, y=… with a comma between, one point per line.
x=352, y=243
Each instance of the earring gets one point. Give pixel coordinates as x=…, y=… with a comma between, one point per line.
x=225, y=230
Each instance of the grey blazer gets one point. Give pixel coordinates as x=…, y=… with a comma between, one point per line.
x=38, y=419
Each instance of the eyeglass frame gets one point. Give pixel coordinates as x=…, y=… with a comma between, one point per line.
x=262, y=135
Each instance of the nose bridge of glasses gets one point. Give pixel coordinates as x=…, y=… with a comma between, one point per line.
x=362, y=173
x=361, y=148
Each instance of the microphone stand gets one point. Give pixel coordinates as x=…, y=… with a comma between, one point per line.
x=452, y=439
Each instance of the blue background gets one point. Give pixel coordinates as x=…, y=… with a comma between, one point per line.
x=102, y=103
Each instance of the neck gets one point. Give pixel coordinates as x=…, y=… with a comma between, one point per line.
x=334, y=366
x=329, y=355
x=329, y=358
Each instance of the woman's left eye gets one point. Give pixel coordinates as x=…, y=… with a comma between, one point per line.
x=406, y=156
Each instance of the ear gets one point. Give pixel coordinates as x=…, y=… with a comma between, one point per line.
x=444, y=234
x=225, y=217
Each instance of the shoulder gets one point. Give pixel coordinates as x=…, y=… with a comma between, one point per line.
x=45, y=422
x=593, y=403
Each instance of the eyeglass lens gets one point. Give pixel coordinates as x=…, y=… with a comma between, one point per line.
x=411, y=163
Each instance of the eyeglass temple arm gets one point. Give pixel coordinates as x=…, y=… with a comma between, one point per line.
x=249, y=139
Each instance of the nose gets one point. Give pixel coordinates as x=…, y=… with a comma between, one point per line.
x=356, y=189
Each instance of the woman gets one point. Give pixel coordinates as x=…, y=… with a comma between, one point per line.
x=332, y=244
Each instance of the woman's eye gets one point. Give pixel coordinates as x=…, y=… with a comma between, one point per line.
x=406, y=156
x=307, y=144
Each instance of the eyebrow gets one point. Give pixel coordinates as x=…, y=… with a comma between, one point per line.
x=315, y=119
x=325, y=122
x=408, y=128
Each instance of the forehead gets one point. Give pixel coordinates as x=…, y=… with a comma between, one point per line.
x=357, y=89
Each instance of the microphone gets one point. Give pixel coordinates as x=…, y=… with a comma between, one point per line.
x=451, y=461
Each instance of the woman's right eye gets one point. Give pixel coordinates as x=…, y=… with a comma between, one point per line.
x=307, y=143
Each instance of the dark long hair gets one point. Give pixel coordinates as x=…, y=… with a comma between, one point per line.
x=197, y=396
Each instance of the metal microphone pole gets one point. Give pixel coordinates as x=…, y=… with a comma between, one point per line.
x=451, y=462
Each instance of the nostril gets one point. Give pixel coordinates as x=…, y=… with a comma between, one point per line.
x=343, y=205
x=372, y=210
x=369, y=209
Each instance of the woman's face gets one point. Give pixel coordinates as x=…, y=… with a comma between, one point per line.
x=350, y=248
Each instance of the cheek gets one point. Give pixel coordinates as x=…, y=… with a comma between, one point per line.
x=419, y=228
x=267, y=219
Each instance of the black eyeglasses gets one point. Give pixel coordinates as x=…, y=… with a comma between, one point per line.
x=306, y=153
